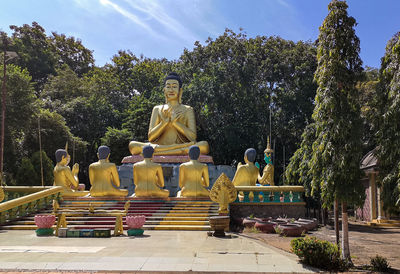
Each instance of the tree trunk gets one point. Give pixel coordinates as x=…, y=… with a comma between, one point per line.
x=336, y=216
x=345, y=234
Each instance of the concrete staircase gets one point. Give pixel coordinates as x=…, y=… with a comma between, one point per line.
x=169, y=214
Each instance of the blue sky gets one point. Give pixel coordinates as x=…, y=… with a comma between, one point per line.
x=163, y=28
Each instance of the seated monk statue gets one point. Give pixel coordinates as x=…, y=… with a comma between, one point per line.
x=268, y=172
x=103, y=176
x=62, y=172
x=172, y=128
x=247, y=174
x=193, y=176
x=148, y=176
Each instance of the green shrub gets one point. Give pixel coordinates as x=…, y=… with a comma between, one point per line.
x=379, y=263
x=318, y=253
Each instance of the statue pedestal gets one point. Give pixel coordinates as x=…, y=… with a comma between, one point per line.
x=170, y=166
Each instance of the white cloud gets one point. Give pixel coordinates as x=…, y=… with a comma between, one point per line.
x=160, y=14
x=131, y=16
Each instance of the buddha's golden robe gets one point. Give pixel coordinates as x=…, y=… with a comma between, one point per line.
x=194, y=179
x=102, y=176
x=148, y=179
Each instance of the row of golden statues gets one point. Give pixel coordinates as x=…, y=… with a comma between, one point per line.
x=172, y=131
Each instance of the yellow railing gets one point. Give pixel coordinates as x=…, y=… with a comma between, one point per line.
x=13, y=192
x=270, y=194
x=40, y=197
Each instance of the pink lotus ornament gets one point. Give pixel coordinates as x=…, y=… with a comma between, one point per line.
x=135, y=221
x=45, y=220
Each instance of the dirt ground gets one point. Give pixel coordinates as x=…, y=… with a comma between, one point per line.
x=365, y=242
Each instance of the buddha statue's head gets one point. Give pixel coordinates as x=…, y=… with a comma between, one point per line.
x=173, y=87
x=148, y=152
x=103, y=152
x=250, y=155
x=194, y=152
x=62, y=157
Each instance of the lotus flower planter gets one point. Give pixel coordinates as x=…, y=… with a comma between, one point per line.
x=135, y=223
x=44, y=223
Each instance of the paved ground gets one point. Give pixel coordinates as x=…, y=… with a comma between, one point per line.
x=155, y=251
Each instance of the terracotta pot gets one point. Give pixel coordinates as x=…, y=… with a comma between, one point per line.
x=307, y=226
x=266, y=227
x=45, y=220
x=312, y=221
x=135, y=221
x=249, y=222
x=279, y=221
x=291, y=230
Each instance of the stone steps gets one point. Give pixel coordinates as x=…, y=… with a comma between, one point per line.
x=160, y=214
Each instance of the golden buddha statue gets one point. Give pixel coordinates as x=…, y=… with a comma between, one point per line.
x=247, y=174
x=172, y=128
x=193, y=176
x=63, y=176
x=148, y=176
x=103, y=176
x=268, y=171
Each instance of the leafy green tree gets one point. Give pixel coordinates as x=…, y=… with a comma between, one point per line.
x=387, y=106
x=117, y=140
x=235, y=78
x=337, y=150
x=35, y=51
x=72, y=53
x=21, y=103
x=54, y=135
x=26, y=175
x=47, y=163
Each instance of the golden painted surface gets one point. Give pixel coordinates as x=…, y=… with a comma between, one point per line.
x=246, y=174
x=103, y=176
x=268, y=175
x=172, y=128
x=29, y=198
x=194, y=179
x=268, y=172
x=149, y=179
x=63, y=176
x=223, y=192
x=2, y=194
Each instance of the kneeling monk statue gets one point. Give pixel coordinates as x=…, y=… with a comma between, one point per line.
x=247, y=174
x=63, y=176
x=148, y=176
x=193, y=176
x=172, y=128
x=103, y=175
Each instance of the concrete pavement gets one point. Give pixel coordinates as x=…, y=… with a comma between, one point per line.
x=155, y=251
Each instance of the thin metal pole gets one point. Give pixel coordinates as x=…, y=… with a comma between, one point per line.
x=3, y=107
x=40, y=151
x=270, y=122
x=284, y=164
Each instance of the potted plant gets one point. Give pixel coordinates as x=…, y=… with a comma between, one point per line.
x=135, y=224
x=44, y=223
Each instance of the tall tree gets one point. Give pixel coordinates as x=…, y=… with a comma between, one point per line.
x=72, y=53
x=337, y=150
x=386, y=122
x=36, y=52
x=21, y=104
x=236, y=78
